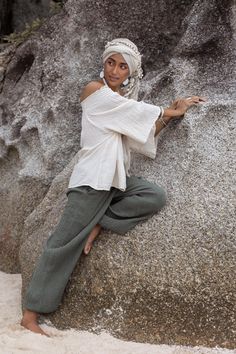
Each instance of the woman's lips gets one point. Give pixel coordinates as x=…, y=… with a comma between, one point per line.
x=113, y=78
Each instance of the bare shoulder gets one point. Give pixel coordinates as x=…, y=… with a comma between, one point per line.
x=90, y=88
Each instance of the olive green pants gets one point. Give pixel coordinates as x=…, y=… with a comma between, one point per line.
x=114, y=210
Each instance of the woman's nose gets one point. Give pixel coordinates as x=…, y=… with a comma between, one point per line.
x=115, y=69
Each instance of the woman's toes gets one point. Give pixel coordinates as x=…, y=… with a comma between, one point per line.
x=87, y=248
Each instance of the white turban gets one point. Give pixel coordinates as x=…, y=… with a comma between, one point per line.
x=132, y=57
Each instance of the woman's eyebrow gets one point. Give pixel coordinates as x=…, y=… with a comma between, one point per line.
x=115, y=61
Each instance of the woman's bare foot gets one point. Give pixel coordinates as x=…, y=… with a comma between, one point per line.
x=29, y=321
x=93, y=234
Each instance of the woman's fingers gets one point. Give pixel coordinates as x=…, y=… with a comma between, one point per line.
x=175, y=103
x=183, y=104
x=189, y=101
x=196, y=99
x=202, y=99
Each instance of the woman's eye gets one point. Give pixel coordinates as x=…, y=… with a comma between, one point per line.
x=123, y=67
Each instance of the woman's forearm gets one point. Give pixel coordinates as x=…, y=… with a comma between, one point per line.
x=172, y=113
x=168, y=114
x=161, y=123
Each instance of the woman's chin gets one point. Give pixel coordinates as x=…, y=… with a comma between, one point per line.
x=113, y=85
x=113, y=82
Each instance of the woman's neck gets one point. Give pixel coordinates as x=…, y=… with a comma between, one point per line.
x=115, y=89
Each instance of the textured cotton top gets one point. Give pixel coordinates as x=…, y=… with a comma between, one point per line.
x=112, y=125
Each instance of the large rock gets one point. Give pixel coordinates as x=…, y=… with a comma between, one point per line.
x=170, y=279
x=39, y=103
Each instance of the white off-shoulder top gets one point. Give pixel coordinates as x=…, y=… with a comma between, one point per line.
x=112, y=125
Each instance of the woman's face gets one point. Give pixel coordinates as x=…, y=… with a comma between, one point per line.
x=116, y=71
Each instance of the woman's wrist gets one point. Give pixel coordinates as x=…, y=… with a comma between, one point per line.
x=164, y=120
x=170, y=113
x=167, y=114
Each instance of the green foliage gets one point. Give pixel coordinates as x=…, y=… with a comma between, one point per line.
x=56, y=6
x=18, y=38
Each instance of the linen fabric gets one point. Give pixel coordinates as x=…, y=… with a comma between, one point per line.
x=112, y=125
x=114, y=210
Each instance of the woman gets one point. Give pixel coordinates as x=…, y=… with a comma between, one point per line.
x=101, y=193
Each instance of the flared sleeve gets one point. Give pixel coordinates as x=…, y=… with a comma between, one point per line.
x=109, y=111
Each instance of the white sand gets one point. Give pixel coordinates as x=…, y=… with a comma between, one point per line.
x=15, y=339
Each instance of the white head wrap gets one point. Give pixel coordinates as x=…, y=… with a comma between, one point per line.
x=132, y=57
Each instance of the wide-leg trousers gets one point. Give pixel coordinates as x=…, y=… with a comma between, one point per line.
x=115, y=210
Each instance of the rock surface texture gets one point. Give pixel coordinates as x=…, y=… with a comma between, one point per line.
x=171, y=279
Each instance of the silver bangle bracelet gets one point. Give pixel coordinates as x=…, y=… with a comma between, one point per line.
x=162, y=112
x=163, y=122
x=161, y=116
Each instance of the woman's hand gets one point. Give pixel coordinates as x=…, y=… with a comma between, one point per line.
x=180, y=106
x=177, y=110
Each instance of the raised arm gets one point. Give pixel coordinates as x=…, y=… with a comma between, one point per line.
x=177, y=110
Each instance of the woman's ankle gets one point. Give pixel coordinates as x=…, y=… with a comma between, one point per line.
x=30, y=314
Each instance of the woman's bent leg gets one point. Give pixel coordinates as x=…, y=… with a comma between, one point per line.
x=83, y=211
x=138, y=202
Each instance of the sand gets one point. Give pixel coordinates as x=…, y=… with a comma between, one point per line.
x=15, y=339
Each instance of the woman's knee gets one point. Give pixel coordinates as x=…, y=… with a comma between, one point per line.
x=158, y=198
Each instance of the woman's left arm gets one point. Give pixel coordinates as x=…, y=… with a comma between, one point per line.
x=177, y=110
